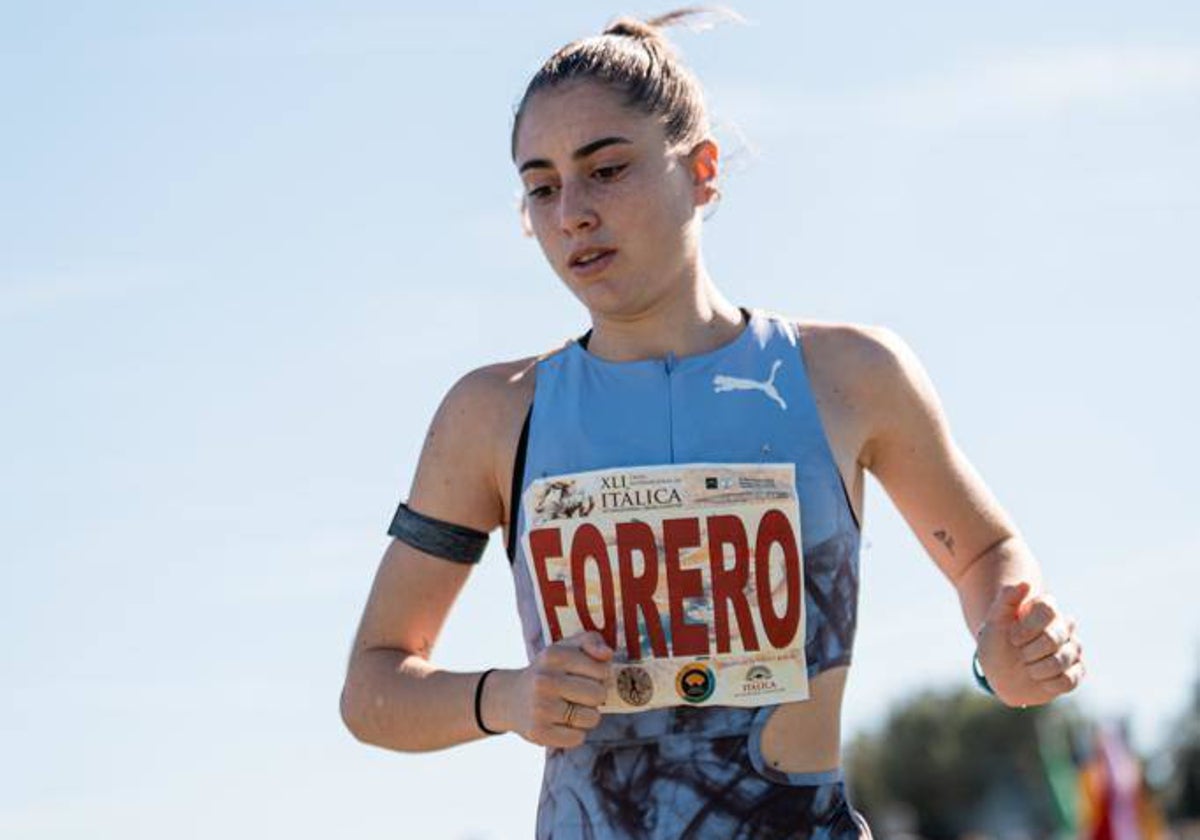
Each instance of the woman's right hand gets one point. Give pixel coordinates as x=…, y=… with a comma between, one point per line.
x=534, y=699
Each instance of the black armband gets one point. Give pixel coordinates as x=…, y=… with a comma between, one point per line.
x=435, y=536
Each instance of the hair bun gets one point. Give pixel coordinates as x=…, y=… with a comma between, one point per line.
x=696, y=18
x=633, y=28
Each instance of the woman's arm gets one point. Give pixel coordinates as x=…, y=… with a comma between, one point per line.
x=394, y=696
x=1026, y=646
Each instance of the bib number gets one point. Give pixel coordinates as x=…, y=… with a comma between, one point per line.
x=693, y=573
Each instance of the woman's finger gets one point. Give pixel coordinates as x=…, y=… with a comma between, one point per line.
x=1055, y=664
x=1053, y=637
x=563, y=737
x=583, y=717
x=1040, y=615
x=582, y=691
x=1068, y=680
x=570, y=659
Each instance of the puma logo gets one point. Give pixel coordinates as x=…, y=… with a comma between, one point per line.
x=721, y=383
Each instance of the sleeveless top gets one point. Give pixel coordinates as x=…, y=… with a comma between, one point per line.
x=589, y=413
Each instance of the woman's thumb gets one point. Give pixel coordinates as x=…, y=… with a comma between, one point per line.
x=596, y=646
x=1006, y=605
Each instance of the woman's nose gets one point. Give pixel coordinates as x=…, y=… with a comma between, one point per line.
x=575, y=209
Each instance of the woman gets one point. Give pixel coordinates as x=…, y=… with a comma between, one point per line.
x=680, y=491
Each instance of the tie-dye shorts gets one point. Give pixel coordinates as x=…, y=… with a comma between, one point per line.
x=683, y=786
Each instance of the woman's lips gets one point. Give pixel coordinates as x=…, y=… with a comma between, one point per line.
x=589, y=269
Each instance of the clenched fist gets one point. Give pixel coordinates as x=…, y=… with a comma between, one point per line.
x=1028, y=650
x=552, y=701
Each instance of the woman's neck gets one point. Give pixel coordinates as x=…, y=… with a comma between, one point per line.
x=683, y=325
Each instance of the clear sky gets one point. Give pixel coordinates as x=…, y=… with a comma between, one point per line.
x=245, y=247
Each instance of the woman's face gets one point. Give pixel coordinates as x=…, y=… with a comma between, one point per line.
x=600, y=179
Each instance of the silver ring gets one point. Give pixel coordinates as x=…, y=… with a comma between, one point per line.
x=571, y=707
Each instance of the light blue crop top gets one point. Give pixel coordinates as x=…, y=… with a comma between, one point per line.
x=589, y=413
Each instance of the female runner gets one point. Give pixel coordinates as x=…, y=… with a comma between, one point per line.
x=679, y=406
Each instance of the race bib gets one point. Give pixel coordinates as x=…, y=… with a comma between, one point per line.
x=693, y=573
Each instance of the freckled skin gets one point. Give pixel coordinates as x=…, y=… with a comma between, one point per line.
x=648, y=210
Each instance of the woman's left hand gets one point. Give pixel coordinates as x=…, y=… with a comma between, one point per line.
x=1029, y=651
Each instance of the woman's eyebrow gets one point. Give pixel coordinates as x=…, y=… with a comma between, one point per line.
x=580, y=153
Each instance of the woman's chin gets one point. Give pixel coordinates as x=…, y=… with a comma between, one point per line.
x=612, y=296
x=600, y=295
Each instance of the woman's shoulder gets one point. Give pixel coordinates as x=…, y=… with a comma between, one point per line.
x=854, y=357
x=872, y=367
x=476, y=426
x=843, y=344
x=505, y=385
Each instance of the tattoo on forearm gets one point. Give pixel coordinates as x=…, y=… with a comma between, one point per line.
x=946, y=540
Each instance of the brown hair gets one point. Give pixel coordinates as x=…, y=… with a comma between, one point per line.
x=634, y=58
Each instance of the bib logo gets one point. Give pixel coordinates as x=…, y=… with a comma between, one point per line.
x=758, y=672
x=617, y=493
x=759, y=680
x=562, y=499
x=635, y=685
x=695, y=682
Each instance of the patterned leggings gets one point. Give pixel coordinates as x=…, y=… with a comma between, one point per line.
x=681, y=786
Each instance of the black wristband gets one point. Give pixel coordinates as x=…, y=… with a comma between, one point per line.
x=980, y=678
x=478, y=699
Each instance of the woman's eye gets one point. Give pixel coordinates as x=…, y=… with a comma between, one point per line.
x=601, y=173
x=605, y=173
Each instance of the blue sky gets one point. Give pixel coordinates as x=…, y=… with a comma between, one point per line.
x=246, y=247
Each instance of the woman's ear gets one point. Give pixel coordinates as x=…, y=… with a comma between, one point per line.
x=703, y=161
x=523, y=214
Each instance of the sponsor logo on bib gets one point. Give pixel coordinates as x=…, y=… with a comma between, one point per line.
x=695, y=683
x=635, y=685
x=756, y=673
x=759, y=680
